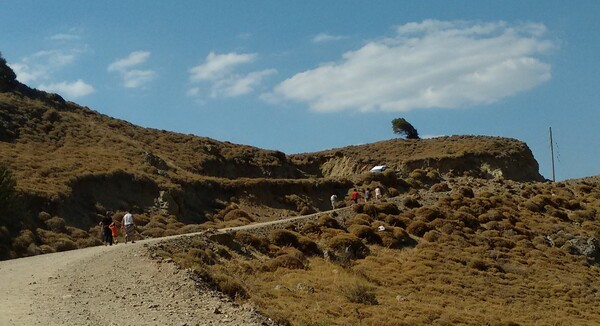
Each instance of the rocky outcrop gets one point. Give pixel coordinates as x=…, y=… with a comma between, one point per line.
x=479, y=156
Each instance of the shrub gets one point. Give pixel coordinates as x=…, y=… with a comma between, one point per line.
x=411, y=202
x=282, y=237
x=395, y=238
x=360, y=293
x=395, y=220
x=370, y=210
x=63, y=244
x=440, y=187
x=393, y=192
x=428, y=214
x=418, y=228
x=8, y=195
x=88, y=242
x=308, y=246
x=23, y=240
x=360, y=219
x=387, y=208
x=154, y=232
x=329, y=222
x=432, y=236
x=56, y=224
x=364, y=232
x=290, y=258
x=348, y=245
x=76, y=233
x=43, y=216
x=236, y=214
x=261, y=244
x=478, y=264
x=229, y=286
x=463, y=191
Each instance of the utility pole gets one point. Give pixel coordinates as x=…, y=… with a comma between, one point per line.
x=552, y=153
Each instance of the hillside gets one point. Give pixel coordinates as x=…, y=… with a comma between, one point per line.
x=72, y=164
x=464, y=251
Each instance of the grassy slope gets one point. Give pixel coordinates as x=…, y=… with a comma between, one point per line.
x=498, y=255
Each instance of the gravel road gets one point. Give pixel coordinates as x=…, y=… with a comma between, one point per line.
x=110, y=285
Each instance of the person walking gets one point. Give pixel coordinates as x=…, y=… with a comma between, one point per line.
x=367, y=194
x=107, y=237
x=354, y=196
x=333, y=201
x=114, y=231
x=129, y=227
x=377, y=192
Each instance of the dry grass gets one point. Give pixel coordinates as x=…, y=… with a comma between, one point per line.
x=485, y=261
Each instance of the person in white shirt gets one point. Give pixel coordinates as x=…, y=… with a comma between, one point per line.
x=129, y=227
x=333, y=200
x=378, y=193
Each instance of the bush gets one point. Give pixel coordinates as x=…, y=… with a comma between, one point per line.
x=23, y=240
x=260, y=244
x=229, y=286
x=411, y=202
x=418, y=228
x=348, y=246
x=236, y=214
x=8, y=196
x=395, y=238
x=283, y=237
x=428, y=214
x=360, y=293
x=154, y=232
x=440, y=187
x=63, y=244
x=308, y=246
x=290, y=258
x=364, y=232
x=56, y=224
x=329, y=222
x=387, y=208
x=360, y=219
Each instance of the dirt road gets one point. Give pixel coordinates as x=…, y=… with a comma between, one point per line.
x=110, y=285
x=115, y=285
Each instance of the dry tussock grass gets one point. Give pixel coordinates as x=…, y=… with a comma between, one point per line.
x=488, y=261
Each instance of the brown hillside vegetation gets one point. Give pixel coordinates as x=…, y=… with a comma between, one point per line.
x=479, y=252
x=72, y=164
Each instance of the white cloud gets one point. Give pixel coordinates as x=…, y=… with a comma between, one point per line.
x=26, y=74
x=133, y=78
x=42, y=64
x=137, y=78
x=73, y=34
x=324, y=37
x=75, y=89
x=133, y=59
x=217, y=66
x=240, y=85
x=218, y=74
x=432, y=64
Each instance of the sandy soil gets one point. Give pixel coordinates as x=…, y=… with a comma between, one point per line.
x=111, y=285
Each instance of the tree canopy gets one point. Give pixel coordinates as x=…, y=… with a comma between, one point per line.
x=403, y=127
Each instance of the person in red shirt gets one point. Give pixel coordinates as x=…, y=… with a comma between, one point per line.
x=115, y=231
x=354, y=196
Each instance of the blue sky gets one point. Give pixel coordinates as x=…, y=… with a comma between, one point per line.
x=303, y=76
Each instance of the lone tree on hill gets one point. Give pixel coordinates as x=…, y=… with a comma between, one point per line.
x=403, y=127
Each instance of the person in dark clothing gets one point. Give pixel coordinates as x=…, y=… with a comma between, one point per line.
x=106, y=232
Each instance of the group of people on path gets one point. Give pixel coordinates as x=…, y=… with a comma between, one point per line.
x=355, y=196
x=110, y=231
